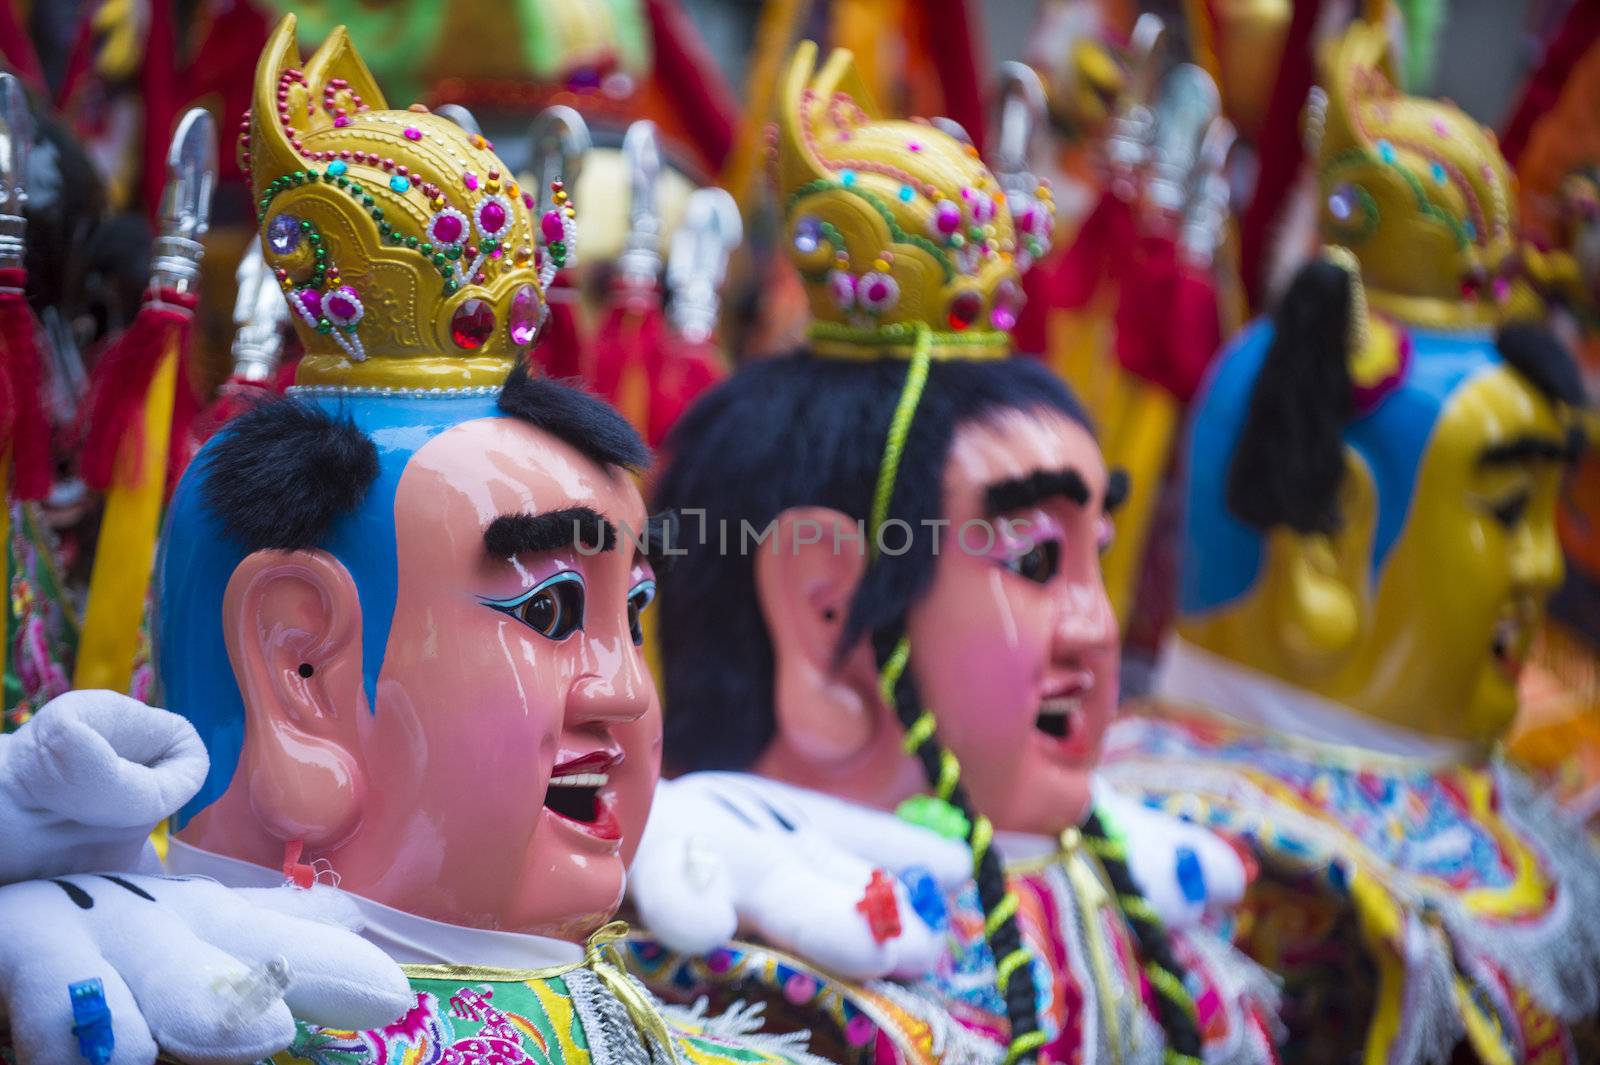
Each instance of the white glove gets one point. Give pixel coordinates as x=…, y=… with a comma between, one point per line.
x=1184, y=870
x=730, y=851
x=185, y=964
x=86, y=779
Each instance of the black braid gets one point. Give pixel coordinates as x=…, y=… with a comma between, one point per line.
x=1176, y=1014
x=1019, y=992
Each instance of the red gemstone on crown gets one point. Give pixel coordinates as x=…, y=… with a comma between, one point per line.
x=472, y=324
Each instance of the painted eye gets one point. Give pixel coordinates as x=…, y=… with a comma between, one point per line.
x=643, y=595
x=1039, y=563
x=1510, y=511
x=554, y=609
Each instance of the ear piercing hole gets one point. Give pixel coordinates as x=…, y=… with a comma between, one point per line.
x=306, y=669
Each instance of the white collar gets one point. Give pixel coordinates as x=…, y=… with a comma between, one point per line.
x=405, y=937
x=1192, y=675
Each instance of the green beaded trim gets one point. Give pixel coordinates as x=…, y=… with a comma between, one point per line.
x=1361, y=157
x=440, y=257
x=941, y=344
x=898, y=235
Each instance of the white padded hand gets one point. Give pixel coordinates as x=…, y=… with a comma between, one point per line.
x=167, y=950
x=730, y=851
x=1183, y=869
x=86, y=779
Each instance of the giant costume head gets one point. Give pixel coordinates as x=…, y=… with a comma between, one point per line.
x=1369, y=511
x=412, y=564
x=924, y=610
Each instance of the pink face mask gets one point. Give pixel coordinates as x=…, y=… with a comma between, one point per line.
x=506, y=775
x=1015, y=647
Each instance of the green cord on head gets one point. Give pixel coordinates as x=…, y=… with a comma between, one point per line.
x=899, y=429
x=889, y=676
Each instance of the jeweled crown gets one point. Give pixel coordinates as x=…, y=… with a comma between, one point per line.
x=897, y=227
x=1416, y=188
x=409, y=255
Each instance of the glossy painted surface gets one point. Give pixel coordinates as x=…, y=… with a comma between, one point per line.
x=989, y=644
x=433, y=802
x=1430, y=633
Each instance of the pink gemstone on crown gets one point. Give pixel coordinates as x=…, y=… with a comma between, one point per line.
x=523, y=321
x=413, y=133
x=311, y=300
x=448, y=228
x=492, y=217
x=470, y=180
x=550, y=225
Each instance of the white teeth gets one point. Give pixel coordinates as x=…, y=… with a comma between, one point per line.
x=1061, y=705
x=580, y=780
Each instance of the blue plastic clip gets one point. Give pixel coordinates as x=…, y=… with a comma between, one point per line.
x=1191, y=877
x=92, y=1021
x=926, y=898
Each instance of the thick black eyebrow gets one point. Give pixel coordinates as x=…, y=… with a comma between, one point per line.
x=1002, y=497
x=516, y=534
x=1118, y=485
x=1532, y=447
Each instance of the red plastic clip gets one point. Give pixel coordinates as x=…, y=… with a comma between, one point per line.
x=879, y=906
x=294, y=870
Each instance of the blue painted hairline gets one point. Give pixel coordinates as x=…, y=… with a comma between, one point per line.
x=1221, y=555
x=197, y=558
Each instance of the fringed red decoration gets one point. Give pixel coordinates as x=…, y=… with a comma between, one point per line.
x=686, y=369
x=29, y=429
x=121, y=380
x=628, y=354
x=1068, y=280
x=1281, y=149
x=1170, y=349
x=559, y=352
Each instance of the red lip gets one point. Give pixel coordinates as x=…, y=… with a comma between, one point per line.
x=605, y=825
x=593, y=762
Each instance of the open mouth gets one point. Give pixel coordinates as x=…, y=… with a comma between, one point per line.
x=1061, y=712
x=1510, y=645
x=579, y=792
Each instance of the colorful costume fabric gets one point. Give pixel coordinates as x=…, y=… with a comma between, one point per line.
x=1476, y=907
x=492, y=1017
x=1095, y=1002
x=565, y=1019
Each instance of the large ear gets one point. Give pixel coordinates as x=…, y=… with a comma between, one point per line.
x=827, y=710
x=292, y=620
x=1317, y=583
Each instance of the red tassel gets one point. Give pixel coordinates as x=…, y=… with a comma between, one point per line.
x=628, y=354
x=234, y=398
x=560, y=350
x=685, y=371
x=29, y=428
x=120, y=382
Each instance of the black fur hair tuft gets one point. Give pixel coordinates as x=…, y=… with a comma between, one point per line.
x=574, y=416
x=283, y=472
x=1289, y=462
x=1537, y=354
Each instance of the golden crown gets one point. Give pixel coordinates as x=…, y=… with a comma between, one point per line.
x=898, y=228
x=1416, y=189
x=408, y=253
